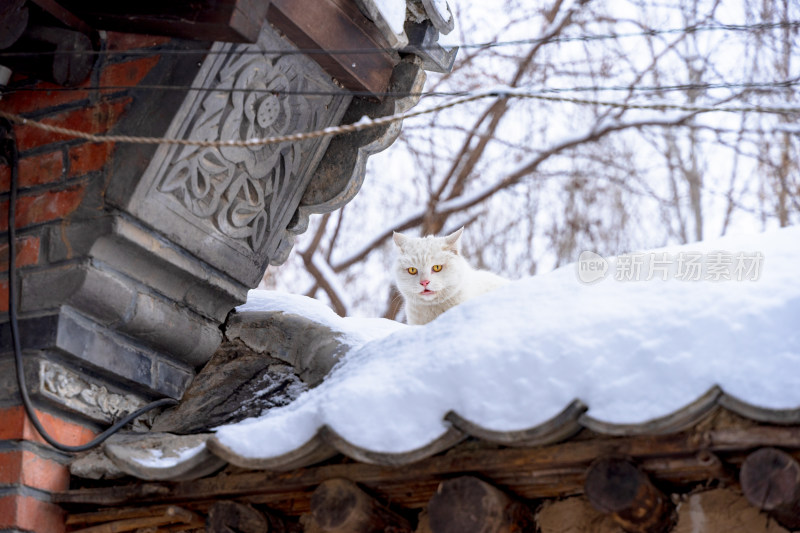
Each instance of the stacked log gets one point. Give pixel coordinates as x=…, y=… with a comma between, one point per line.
x=770, y=480
x=470, y=505
x=340, y=506
x=616, y=486
x=621, y=487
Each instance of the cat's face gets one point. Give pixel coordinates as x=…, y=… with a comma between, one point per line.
x=428, y=270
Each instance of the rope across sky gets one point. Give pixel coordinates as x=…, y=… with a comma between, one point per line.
x=366, y=123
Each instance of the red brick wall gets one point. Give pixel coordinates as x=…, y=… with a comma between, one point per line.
x=28, y=471
x=54, y=170
x=56, y=173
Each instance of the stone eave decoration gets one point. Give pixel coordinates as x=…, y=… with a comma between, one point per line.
x=169, y=239
x=240, y=197
x=136, y=272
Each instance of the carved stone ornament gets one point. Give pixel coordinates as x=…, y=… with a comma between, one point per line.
x=68, y=389
x=235, y=188
x=231, y=205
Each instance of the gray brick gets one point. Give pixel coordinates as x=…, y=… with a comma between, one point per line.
x=168, y=327
x=35, y=333
x=48, y=289
x=104, y=297
x=171, y=380
x=85, y=341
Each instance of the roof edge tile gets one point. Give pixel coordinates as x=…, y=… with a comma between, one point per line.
x=676, y=421
x=558, y=428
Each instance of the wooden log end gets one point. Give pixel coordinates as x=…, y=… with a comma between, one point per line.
x=467, y=504
x=770, y=480
x=339, y=506
x=612, y=484
x=618, y=487
x=227, y=516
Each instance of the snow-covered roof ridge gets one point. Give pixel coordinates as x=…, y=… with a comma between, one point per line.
x=537, y=361
x=352, y=331
x=634, y=352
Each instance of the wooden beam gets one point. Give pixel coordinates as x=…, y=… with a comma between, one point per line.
x=618, y=487
x=540, y=472
x=170, y=516
x=223, y=20
x=227, y=516
x=339, y=506
x=113, y=515
x=350, y=47
x=64, y=15
x=469, y=505
x=770, y=480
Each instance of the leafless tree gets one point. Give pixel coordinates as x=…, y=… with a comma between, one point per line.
x=537, y=180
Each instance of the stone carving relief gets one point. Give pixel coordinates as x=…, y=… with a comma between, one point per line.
x=69, y=389
x=230, y=206
x=241, y=191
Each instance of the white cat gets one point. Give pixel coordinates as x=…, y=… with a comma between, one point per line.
x=432, y=276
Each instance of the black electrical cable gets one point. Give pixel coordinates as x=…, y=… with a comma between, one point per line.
x=12, y=155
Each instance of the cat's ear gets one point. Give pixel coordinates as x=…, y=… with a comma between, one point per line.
x=399, y=239
x=453, y=240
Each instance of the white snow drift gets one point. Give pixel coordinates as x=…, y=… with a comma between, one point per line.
x=630, y=350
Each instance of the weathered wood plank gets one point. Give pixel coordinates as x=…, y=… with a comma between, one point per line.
x=529, y=472
x=170, y=515
x=64, y=15
x=336, y=25
x=224, y=20
x=111, y=515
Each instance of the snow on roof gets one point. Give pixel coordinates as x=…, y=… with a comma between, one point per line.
x=631, y=350
x=393, y=12
x=352, y=331
x=390, y=16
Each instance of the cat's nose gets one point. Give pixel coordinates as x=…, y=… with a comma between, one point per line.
x=424, y=282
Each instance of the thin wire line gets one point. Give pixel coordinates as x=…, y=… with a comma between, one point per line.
x=365, y=124
x=783, y=84
x=372, y=50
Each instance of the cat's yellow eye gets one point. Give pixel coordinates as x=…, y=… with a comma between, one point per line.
x=437, y=268
x=412, y=270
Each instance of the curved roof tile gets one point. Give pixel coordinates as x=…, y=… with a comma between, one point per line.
x=633, y=353
x=671, y=423
x=562, y=426
x=138, y=454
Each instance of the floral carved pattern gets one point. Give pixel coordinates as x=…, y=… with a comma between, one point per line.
x=242, y=191
x=96, y=402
